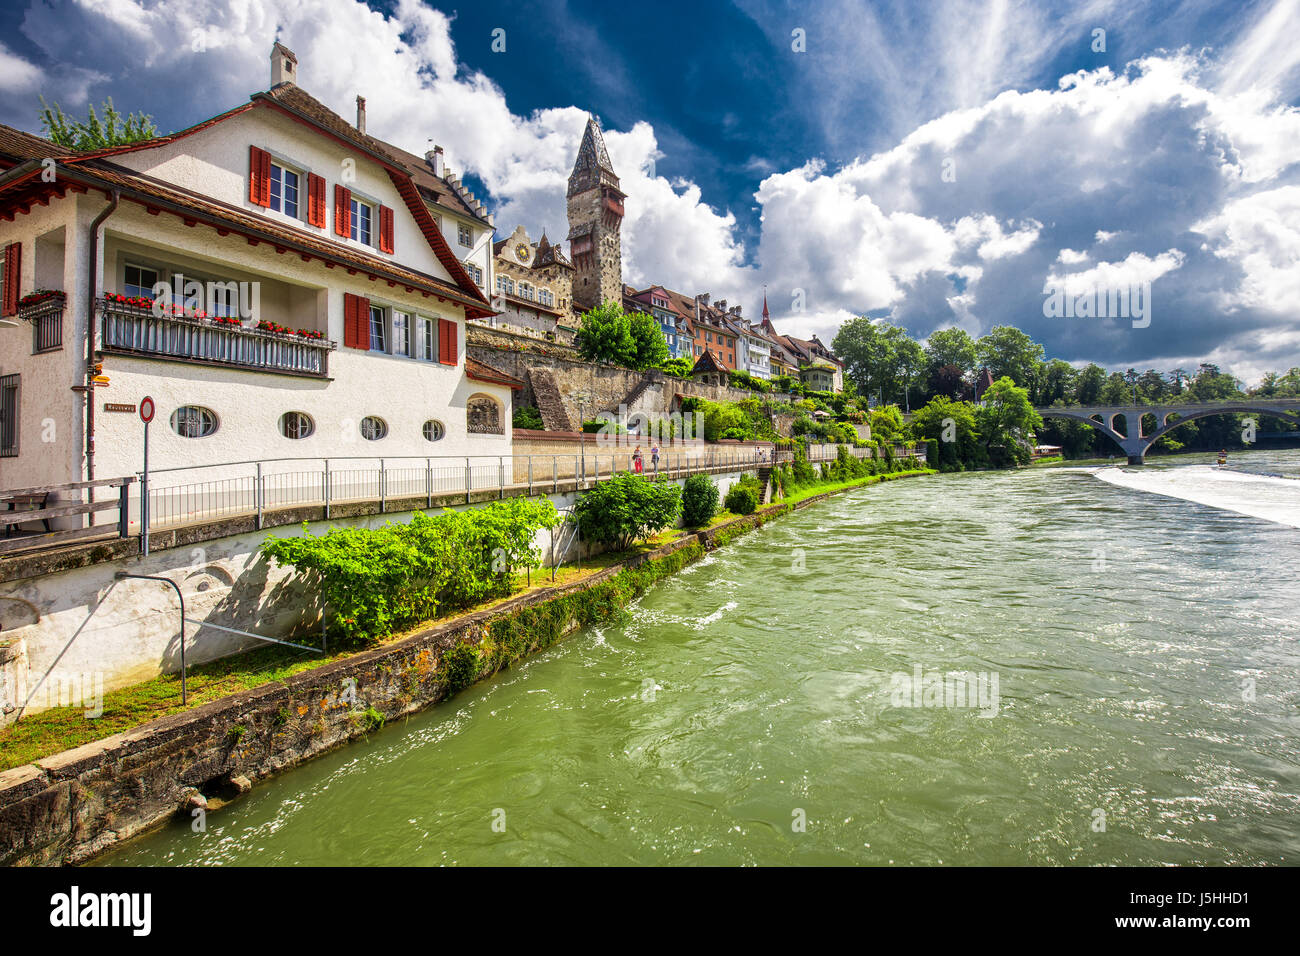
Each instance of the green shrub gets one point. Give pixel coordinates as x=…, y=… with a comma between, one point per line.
x=627, y=507
x=460, y=665
x=741, y=500
x=699, y=501
x=374, y=581
x=526, y=416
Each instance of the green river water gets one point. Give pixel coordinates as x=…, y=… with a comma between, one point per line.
x=754, y=691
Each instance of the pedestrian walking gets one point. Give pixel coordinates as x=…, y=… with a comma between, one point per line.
x=654, y=457
x=636, y=460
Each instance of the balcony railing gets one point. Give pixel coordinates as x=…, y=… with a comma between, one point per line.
x=46, y=318
x=137, y=331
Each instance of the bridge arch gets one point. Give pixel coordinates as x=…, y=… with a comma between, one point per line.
x=1135, y=444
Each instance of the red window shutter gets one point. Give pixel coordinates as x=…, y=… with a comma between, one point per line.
x=259, y=176
x=13, y=277
x=447, y=336
x=342, y=211
x=356, y=321
x=385, y=229
x=363, y=323
x=315, y=200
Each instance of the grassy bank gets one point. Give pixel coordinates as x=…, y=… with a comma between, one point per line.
x=509, y=637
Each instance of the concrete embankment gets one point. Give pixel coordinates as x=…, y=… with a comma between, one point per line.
x=71, y=806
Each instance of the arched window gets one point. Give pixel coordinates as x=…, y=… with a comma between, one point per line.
x=194, y=421
x=373, y=429
x=434, y=430
x=296, y=425
x=483, y=415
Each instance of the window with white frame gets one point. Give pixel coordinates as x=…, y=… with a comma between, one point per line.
x=525, y=291
x=378, y=328
x=464, y=234
x=362, y=216
x=546, y=297
x=373, y=428
x=424, y=349
x=475, y=273
x=284, y=190
x=401, y=333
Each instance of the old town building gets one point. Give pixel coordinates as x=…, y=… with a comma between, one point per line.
x=533, y=285
x=279, y=282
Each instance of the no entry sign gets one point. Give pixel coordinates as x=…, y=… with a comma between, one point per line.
x=146, y=409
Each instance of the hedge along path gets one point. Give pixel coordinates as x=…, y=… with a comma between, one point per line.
x=457, y=651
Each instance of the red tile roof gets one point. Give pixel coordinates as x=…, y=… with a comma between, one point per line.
x=486, y=373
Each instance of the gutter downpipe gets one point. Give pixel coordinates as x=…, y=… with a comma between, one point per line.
x=93, y=272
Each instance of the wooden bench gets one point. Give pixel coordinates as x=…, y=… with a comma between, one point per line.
x=25, y=502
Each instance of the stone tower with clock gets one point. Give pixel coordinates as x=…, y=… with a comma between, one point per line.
x=595, y=206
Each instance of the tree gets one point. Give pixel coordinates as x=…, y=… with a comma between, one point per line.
x=606, y=335
x=1006, y=351
x=946, y=380
x=1059, y=381
x=92, y=133
x=649, y=347
x=951, y=347
x=1006, y=419
x=952, y=426
x=881, y=358
x=1087, y=389
x=626, y=507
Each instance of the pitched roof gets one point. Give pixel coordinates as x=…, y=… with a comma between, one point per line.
x=707, y=363
x=593, y=159
x=193, y=208
x=486, y=373
x=298, y=104
x=442, y=191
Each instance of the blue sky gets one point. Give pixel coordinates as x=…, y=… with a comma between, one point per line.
x=937, y=163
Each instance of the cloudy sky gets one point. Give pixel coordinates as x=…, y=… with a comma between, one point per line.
x=939, y=163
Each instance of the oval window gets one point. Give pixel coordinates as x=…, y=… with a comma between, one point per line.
x=373, y=429
x=296, y=425
x=194, y=421
x=434, y=430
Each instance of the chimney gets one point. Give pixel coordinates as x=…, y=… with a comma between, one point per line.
x=722, y=305
x=435, y=159
x=703, y=297
x=284, y=65
x=361, y=114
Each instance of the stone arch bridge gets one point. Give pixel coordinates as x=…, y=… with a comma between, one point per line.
x=1168, y=417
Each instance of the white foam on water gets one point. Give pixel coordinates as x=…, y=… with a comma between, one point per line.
x=1258, y=496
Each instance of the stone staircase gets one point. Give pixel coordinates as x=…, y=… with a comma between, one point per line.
x=549, y=401
x=765, y=476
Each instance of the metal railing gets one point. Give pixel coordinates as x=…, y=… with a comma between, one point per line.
x=47, y=325
x=190, y=495
x=137, y=330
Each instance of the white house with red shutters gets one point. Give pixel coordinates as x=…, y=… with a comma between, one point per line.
x=278, y=281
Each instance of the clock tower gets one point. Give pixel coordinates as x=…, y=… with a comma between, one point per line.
x=595, y=214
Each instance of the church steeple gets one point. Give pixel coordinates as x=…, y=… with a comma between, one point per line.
x=595, y=214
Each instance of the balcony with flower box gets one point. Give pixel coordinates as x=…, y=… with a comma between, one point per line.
x=133, y=326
